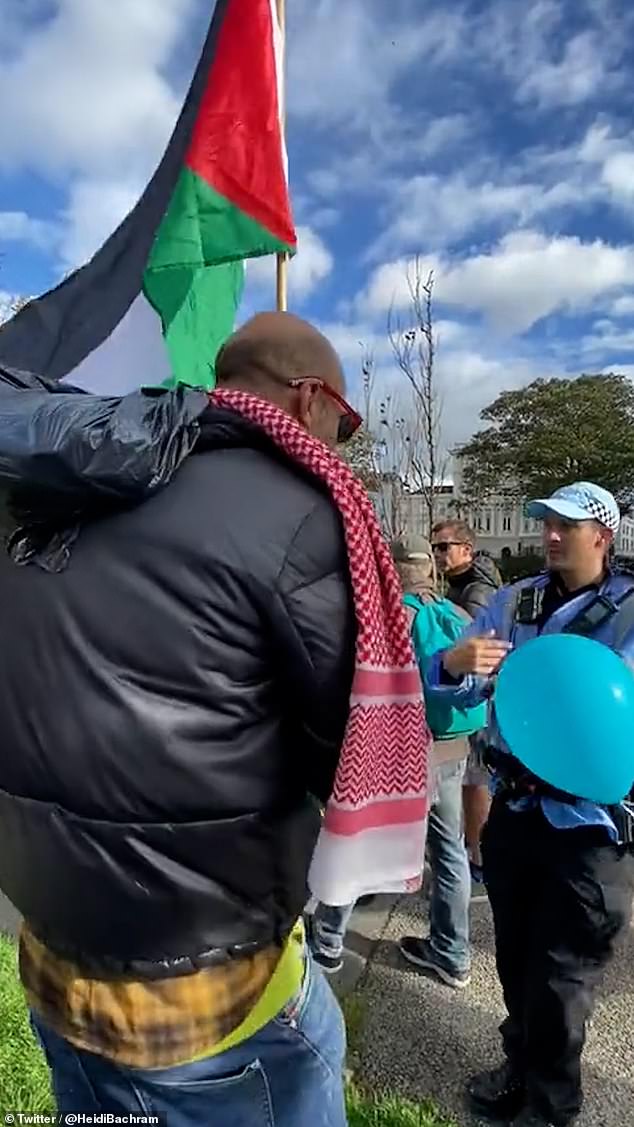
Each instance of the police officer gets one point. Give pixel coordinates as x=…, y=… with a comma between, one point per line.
x=558, y=870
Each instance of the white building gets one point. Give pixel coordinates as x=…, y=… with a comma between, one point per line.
x=498, y=523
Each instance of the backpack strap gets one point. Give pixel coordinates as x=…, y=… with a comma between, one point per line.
x=526, y=604
x=624, y=620
x=600, y=611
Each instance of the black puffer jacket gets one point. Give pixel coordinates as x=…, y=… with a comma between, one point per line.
x=473, y=589
x=170, y=705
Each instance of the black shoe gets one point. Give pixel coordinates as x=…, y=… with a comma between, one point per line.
x=498, y=1094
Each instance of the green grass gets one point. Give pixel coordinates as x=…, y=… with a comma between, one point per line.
x=367, y=1109
x=24, y=1079
x=390, y=1111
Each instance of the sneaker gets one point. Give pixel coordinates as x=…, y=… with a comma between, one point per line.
x=421, y=954
x=330, y=964
x=497, y=1094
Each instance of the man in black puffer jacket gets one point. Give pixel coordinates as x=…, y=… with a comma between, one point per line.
x=173, y=708
x=471, y=578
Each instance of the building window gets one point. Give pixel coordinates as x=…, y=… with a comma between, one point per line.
x=487, y=522
x=506, y=523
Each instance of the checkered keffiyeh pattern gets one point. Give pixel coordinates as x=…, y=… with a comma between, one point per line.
x=374, y=827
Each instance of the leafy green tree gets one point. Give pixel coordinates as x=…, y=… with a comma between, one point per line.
x=551, y=433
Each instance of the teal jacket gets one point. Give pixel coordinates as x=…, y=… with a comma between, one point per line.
x=436, y=625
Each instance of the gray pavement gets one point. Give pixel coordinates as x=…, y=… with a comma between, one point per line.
x=9, y=918
x=421, y=1039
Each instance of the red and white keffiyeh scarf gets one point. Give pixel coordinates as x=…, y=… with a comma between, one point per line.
x=373, y=835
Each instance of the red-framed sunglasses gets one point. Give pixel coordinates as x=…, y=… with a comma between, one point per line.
x=349, y=420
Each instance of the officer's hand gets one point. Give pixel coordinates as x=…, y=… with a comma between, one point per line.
x=482, y=656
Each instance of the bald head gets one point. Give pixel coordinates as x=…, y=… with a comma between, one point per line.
x=273, y=351
x=275, y=348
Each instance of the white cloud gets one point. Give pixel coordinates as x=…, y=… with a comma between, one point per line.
x=442, y=133
x=608, y=339
x=345, y=58
x=90, y=106
x=86, y=88
x=17, y=226
x=95, y=209
x=311, y=266
x=623, y=306
x=323, y=218
x=526, y=277
x=553, y=53
x=574, y=78
x=622, y=369
x=435, y=211
x=613, y=159
x=471, y=369
x=618, y=174
x=354, y=340
x=470, y=379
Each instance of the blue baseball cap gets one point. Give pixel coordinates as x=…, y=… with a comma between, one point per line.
x=581, y=501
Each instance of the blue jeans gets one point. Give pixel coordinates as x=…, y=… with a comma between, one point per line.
x=450, y=882
x=328, y=929
x=289, y=1073
x=450, y=876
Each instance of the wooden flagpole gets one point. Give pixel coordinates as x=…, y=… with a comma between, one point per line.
x=282, y=259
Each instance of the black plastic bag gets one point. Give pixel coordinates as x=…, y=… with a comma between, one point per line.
x=67, y=457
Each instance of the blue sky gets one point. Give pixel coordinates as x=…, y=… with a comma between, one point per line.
x=493, y=138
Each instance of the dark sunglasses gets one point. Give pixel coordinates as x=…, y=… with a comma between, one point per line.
x=349, y=419
x=445, y=545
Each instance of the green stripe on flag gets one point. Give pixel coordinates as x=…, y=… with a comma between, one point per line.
x=195, y=274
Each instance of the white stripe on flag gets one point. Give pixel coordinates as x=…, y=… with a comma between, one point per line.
x=133, y=356
x=278, y=49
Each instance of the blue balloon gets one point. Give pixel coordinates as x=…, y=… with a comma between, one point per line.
x=565, y=708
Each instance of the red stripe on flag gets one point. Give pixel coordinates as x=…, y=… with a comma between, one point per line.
x=236, y=143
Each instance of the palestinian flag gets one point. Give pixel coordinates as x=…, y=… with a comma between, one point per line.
x=159, y=298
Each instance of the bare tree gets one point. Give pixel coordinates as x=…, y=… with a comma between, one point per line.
x=398, y=442
x=413, y=341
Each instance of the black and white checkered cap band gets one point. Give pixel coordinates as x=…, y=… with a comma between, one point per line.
x=601, y=513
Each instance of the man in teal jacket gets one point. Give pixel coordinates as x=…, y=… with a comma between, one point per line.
x=436, y=623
